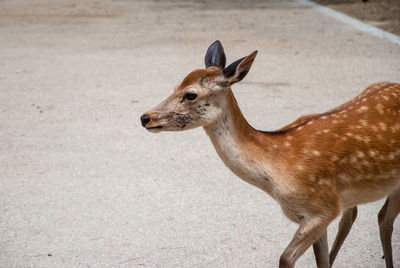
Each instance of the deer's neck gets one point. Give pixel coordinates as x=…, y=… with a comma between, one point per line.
x=243, y=149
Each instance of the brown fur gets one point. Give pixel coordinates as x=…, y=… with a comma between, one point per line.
x=196, y=77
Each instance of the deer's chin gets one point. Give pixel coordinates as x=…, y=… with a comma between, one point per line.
x=155, y=129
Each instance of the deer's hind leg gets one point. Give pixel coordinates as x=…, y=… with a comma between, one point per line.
x=345, y=224
x=386, y=218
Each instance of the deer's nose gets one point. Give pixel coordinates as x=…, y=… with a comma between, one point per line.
x=145, y=119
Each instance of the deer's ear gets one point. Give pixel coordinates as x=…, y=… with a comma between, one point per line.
x=215, y=56
x=238, y=70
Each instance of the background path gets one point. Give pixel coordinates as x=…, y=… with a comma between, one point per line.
x=83, y=185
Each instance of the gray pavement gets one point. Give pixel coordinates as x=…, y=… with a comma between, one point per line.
x=83, y=185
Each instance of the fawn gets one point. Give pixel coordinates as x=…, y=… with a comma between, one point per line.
x=316, y=167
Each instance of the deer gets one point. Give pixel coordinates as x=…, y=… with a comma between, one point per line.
x=316, y=168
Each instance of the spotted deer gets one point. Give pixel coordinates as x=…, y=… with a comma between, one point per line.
x=316, y=167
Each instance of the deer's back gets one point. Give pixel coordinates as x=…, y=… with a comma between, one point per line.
x=354, y=148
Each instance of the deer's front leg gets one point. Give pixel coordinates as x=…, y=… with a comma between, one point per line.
x=310, y=230
x=321, y=251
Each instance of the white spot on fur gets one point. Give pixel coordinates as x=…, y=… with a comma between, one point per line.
x=324, y=182
x=316, y=152
x=363, y=122
x=382, y=126
x=363, y=109
x=379, y=107
x=366, y=140
x=360, y=154
x=344, y=178
x=395, y=128
x=359, y=138
x=334, y=158
x=299, y=167
x=365, y=163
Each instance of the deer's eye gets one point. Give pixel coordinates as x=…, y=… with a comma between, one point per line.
x=190, y=96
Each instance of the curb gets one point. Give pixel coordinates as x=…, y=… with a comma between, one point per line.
x=352, y=21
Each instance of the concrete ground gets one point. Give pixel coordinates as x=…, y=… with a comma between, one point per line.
x=83, y=185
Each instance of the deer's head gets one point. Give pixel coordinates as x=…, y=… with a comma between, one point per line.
x=201, y=97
